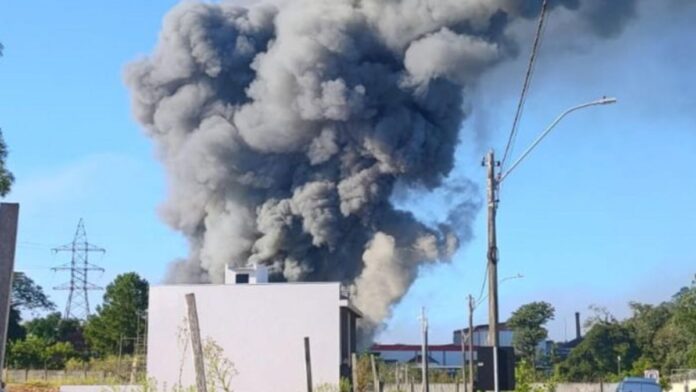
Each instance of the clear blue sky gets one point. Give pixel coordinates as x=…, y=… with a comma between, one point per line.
x=602, y=213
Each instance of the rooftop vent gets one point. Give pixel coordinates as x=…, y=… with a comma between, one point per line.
x=251, y=274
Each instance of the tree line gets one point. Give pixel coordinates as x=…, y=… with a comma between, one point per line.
x=661, y=337
x=50, y=341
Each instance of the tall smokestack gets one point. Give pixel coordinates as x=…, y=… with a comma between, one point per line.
x=578, y=331
x=286, y=129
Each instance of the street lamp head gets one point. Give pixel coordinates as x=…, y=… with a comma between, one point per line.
x=606, y=100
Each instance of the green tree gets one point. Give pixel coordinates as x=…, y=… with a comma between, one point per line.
x=45, y=327
x=675, y=343
x=524, y=376
x=685, y=310
x=54, y=328
x=15, y=330
x=57, y=354
x=6, y=177
x=122, y=316
x=645, y=324
x=600, y=314
x=647, y=320
x=37, y=353
x=29, y=353
x=527, y=324
x=596, y=356
x=26, y=296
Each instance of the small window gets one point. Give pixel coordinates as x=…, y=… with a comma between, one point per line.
x=241, y=278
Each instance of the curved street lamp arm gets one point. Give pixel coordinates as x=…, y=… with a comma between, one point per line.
x=601, y=101
x=480, y=300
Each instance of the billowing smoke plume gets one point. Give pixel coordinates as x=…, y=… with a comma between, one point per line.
x=285, y=129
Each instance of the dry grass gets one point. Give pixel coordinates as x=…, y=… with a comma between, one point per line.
x=33, y=387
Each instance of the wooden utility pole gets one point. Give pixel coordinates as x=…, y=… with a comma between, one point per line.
x=120, y=354
x=9, y=214
x=491, y=165
x=470, y=338
x=308, y=363
x=462, y=341
x=375, y=374
x=196, y=344
x=468, y=383
x=354, y=370
x=424, y=352
x=136, y=346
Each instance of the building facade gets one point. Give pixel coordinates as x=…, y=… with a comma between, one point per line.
x=260, y=328
x=480, y=335
x=448, y=356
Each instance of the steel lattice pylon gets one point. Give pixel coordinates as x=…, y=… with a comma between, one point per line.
x=79, y=267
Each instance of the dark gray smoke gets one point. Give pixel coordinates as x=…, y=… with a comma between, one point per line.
x=285, y=129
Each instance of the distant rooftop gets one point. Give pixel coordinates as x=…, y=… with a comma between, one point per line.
x=483, y=327
x=415, y=347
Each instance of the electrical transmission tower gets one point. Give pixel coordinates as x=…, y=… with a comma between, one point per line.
x=79, y=266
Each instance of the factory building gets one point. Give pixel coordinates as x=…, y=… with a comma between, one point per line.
x=480, y=335
x=260, y=328
x=440, y=356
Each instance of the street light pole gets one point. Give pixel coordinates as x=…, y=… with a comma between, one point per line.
x=601, y=101
x=494, y=178
x=618, y=360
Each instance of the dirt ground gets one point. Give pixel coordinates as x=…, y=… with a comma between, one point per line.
x=33, y=387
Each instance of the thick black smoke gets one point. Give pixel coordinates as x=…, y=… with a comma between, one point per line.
x=285, y=128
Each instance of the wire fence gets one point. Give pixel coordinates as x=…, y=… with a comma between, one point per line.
x=23, y=376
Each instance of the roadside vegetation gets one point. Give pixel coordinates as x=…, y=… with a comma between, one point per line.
x=661, y=337
x=111, y=340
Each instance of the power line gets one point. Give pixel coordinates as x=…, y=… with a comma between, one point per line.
x=79, y=267
x=31, y=243
x=525, y=85
x=483, y=285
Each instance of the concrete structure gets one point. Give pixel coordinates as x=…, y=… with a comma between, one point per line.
x=683, y=381
x=9, y=214
x=246, y=275
x=260, y=328
x=439, y=355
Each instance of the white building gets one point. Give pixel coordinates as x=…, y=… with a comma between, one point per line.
x=259, y=326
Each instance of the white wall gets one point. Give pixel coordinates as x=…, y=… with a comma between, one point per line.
x=683, y=386
x=260, y=327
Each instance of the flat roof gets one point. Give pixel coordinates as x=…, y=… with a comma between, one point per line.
x=483, y=327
